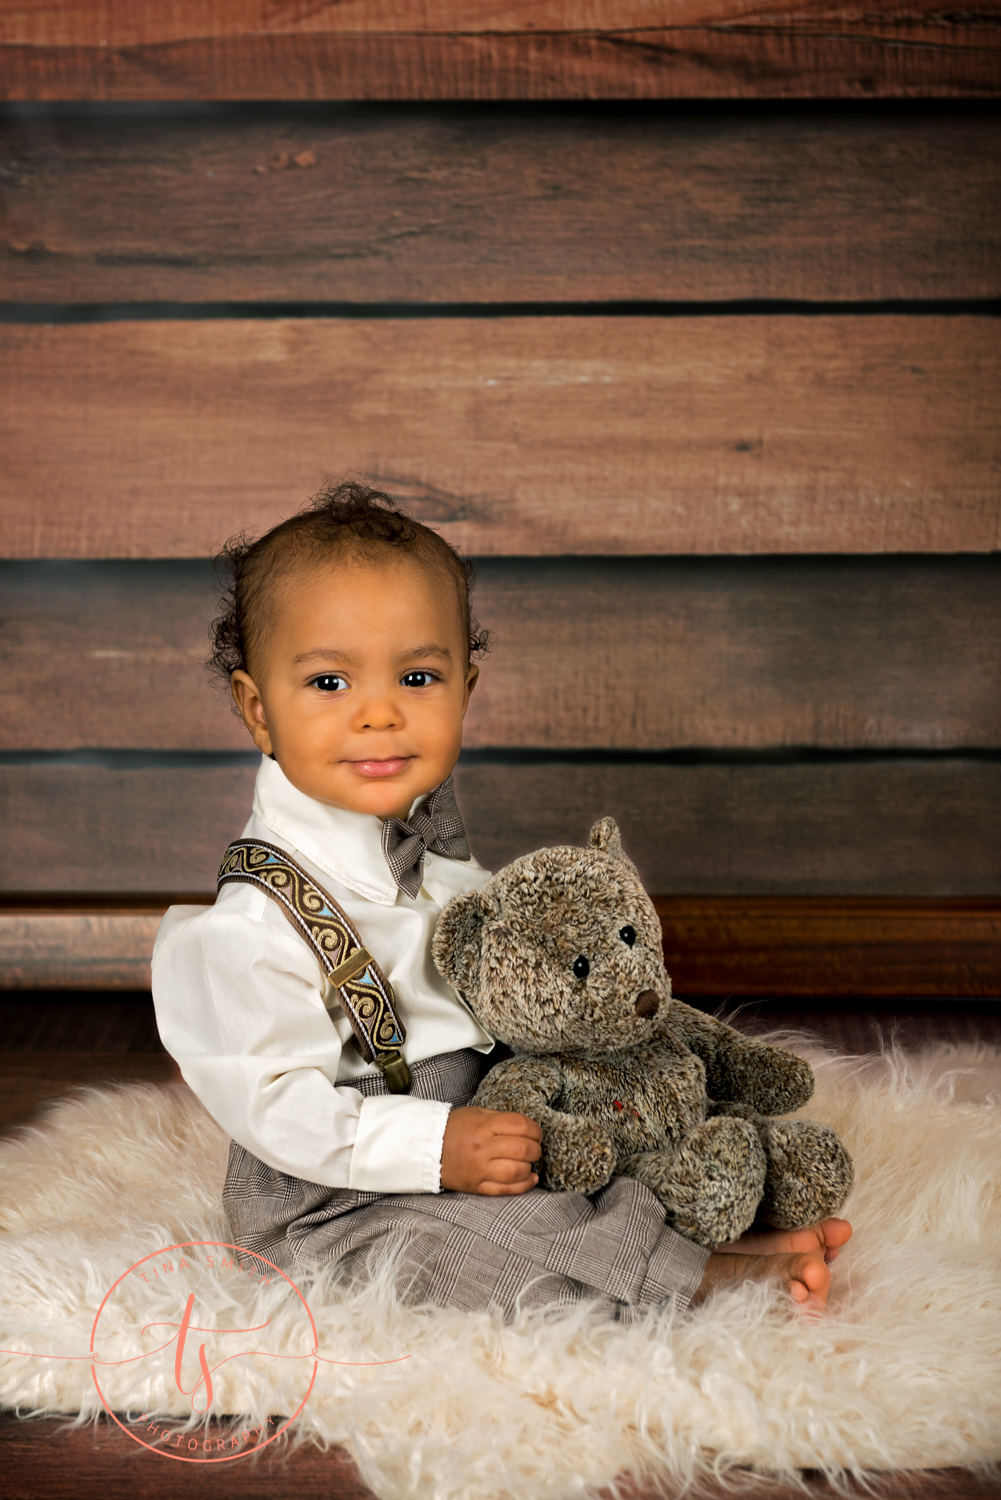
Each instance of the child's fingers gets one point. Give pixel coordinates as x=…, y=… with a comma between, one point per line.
x=510, y=1123
x=506, y=1189
x=515, y=1148
x=504, y=1170
x=489, y=1151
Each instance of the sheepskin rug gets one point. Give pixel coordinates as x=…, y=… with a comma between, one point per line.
x=903, y=1371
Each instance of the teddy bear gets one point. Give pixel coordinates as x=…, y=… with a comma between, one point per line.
x=560, y=957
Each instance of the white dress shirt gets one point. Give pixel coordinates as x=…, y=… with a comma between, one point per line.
x=238, y=1003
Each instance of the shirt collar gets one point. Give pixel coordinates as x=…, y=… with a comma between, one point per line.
x=346, y=845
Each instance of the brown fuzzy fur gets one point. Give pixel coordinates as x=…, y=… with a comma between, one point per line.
x=674, y=1098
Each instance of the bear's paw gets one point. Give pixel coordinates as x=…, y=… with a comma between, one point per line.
x=809, y=1176
x=578, y=1155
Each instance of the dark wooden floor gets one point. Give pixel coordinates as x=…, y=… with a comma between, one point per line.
x=38, y=1461
x=53, y=1042
x=864, y=1025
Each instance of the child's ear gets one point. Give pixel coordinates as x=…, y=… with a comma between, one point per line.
x=250, y=706
x=472, y=677
x=605, y=836
x=457, y=942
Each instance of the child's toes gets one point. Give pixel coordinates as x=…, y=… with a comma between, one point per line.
x=834, y=1233
x=805, y=1241
x=811, y=1280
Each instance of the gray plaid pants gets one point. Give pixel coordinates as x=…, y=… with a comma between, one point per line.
x=465, y=1250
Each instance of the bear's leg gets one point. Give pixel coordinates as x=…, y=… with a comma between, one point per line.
x=712, y=1184
x=809, y=1173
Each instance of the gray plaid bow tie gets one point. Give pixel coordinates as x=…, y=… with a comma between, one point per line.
x=435, y=828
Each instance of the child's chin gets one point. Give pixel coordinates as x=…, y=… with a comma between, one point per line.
x=379, y=797
x=384, y=799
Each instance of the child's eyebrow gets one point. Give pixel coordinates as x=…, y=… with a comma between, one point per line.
x=441, y=652
x=322, y=653
x=331, y=653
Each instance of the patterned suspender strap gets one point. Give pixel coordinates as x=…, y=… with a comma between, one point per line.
x=354, y=979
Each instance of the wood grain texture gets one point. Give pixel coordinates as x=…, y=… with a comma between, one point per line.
x=588, y=653
x=714, y=946
x=249, y=49
x=858, y=827
x=94, y=829
x=426, y=205
x=83, y=949
x=136, y=633
x=830, y=946
x=735, y=653
x=31, y=1081
x=515, y=435
x=59, y=1020
x=880, y=827
x=44, y=1461
x=861, y=1024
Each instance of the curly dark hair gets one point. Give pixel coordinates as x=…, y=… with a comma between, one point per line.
x=349, y=515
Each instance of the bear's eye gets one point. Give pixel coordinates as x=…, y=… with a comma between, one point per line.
x=581, y=967
x=628, y=935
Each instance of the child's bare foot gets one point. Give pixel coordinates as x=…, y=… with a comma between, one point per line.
x=829, y=1236
x=805, y=1274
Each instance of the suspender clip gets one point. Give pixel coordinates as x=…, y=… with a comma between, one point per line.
x=393, y=1067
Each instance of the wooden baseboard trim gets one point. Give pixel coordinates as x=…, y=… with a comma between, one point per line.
x=52, y=942
x=717, y=946
x=714, y=946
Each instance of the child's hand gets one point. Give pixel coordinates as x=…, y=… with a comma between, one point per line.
x=489, y=1151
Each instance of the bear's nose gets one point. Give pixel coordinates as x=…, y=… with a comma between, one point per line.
x=647, y=1003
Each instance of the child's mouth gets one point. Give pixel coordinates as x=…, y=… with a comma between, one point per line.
x=375, y=768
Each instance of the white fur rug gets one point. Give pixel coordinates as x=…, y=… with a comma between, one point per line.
x=903, y=1371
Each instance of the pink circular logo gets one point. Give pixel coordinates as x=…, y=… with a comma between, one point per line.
x=180, y=1350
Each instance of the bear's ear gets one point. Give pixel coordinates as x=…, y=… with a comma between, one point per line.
x=605, y=836
x=455, y=946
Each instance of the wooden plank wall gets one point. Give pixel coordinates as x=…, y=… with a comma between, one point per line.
x=482, y=49
x=705, y=376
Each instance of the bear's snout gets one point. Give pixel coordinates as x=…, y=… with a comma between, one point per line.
x=647, y=1003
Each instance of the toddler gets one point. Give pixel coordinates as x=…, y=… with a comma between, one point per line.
x=349, y=648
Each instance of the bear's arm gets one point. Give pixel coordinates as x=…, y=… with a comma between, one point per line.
x=578, y=1153
x=527, y=1085
x=741, y=1069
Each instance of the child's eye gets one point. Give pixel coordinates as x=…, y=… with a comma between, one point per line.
x=330, y=682
x=418, y=679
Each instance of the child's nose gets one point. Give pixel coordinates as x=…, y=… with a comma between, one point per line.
x=377, y=713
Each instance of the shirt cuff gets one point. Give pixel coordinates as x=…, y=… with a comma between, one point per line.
x=398, y=1145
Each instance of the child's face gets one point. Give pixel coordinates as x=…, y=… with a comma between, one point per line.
x=361, y=685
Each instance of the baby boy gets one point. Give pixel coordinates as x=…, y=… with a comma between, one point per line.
x=349, y=649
